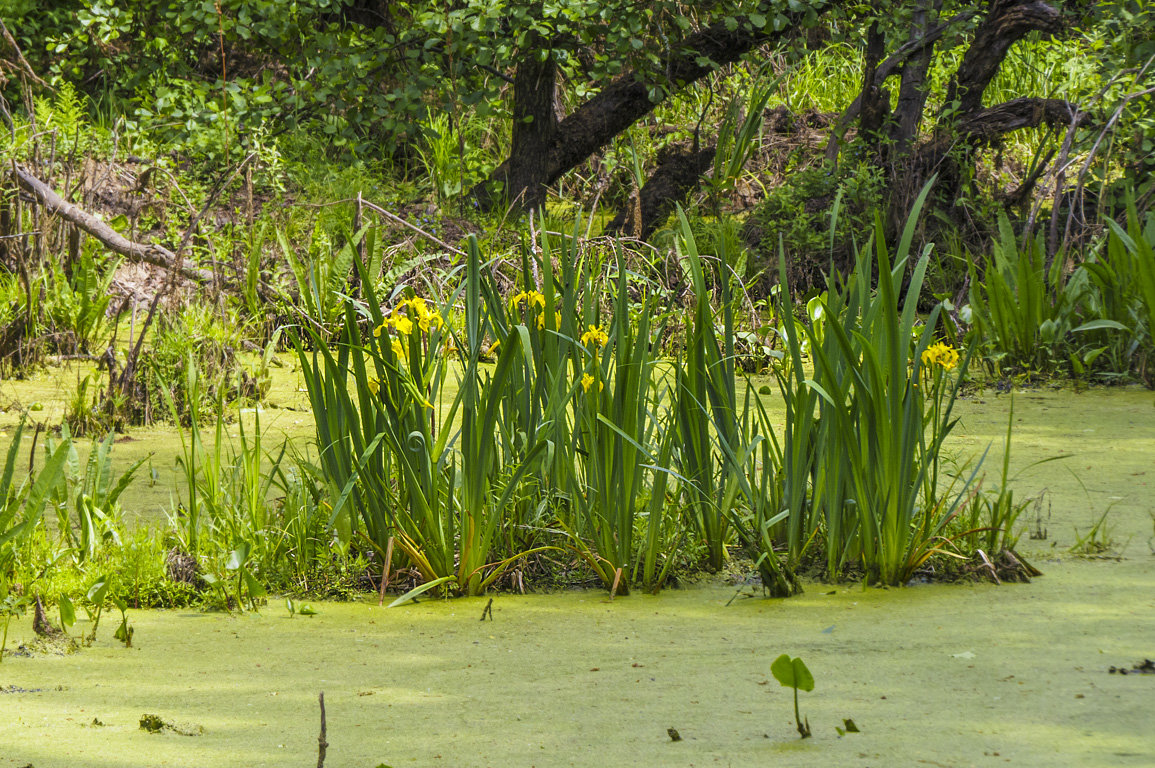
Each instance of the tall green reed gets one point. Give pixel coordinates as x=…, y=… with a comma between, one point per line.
x=1094, y=318
x=707, y=406
x=885, y=398
x=21, y=509
x=224, y=517
x=93, y=496
x=431, y=476
x=621, y=442
x=1130, y=255
x=729, y=456
x=1022, y=309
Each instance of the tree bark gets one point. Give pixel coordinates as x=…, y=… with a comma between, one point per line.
x=893, y=63
x=534, y=125
x=1006, y=22
x=626, y=100
x=913, y=91
x=987, y=125
x=874, y=98
x=679, y=173
x=156, y=255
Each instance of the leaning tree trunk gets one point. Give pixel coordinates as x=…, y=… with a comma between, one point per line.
x=148, y=253
x=895, y=63
x=1007, y=22
x=538, y=161
x=678, y=174
x=964, y=123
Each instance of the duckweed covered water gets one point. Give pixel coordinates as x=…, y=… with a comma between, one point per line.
x=935, y=675
x=946, y=675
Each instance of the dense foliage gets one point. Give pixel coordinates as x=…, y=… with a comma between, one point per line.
x=949, y=189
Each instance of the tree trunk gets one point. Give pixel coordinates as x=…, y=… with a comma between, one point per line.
x=1006, y=22
x=157, y=255
x=526, y=173
x=986, y=126
x=912, y=95
x=913, y=91
x=619, y=105
x=874, y=98
x=894, y=63
x=679, y=173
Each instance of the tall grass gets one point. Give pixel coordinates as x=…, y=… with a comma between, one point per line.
x=618, y=421
x=92, y=495
x=1022, y=308
x=577, y=438
x=1130, y=256
x=883, y=394
x=707, y=406
x=1090, y=319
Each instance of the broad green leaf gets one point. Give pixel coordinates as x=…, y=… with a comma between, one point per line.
x=67, y=612
x=792, y=673
x=98, y=591
x=255, y=588
x=405, y=598
x=1095, y=325
x=237, y=557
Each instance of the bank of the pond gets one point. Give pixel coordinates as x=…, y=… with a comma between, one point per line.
x=938, y=675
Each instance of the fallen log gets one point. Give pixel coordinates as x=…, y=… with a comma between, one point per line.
x=148, y=253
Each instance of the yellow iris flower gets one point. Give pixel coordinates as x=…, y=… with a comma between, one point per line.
x=940, y=354
x=595, y=336
x=588, y=381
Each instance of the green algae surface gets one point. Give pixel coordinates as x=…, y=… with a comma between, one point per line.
x=935, y=675
x=947, y=675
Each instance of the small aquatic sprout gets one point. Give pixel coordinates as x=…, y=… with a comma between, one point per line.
x=67, y=612
x=125, y=631
x=12, y=605
x=792, y=673
x=96, y=596
x=302, y=608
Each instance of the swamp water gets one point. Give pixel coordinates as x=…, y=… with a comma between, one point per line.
x=940, y=675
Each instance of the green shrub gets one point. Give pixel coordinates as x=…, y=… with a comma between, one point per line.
x=77, y=300
x=197, y=335
x=818, y=215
